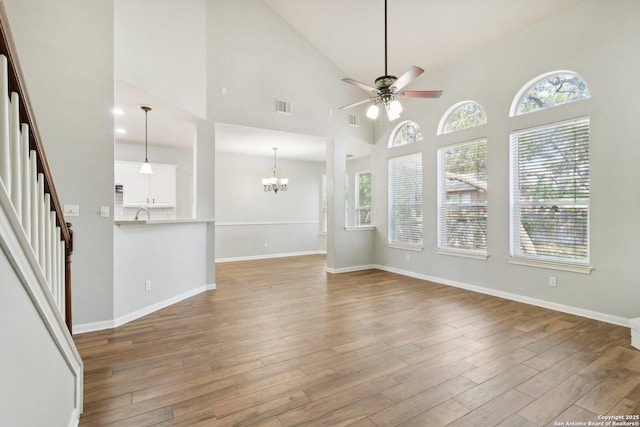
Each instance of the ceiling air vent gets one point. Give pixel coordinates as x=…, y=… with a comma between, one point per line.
x=283, y=107
x=354, y=120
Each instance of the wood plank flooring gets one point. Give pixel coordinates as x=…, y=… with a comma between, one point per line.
x=283, y=343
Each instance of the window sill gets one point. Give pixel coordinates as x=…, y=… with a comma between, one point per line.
x=405, y=247
x=360, y=228
x=574, y=268
x=463, y=254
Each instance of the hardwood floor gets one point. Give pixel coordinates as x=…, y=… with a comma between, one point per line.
x=283, y=343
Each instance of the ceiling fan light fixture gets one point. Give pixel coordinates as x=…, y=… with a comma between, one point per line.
x=392, y=115
x=395, y=107
x=388, y=87
x=373, y=111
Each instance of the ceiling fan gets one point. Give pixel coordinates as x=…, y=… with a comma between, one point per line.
x=389, y=88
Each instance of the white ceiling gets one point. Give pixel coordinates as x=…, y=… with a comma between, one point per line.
x=260, y=142
x=168, y=125
x=426, y=33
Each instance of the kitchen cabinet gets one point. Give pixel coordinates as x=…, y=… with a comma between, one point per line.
x=157, y=190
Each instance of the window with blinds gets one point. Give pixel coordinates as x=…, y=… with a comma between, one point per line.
x=405, y=200
x=363, y=198
x=550, y=192
x=462, y=197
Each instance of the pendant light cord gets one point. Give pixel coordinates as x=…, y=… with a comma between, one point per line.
x=386, y=73
x=146, y=157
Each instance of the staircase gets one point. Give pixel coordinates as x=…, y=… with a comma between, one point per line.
x=35, y=275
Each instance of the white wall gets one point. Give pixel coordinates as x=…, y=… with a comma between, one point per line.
x=33, y=367
x=599, y=41
x=160, y=48
x=66, y=51
x=181, y=157
x=171, y=256
x=259, y=58
x=247, y=217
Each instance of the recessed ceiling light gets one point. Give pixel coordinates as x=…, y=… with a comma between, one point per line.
x=117, y=112
x=121, y=131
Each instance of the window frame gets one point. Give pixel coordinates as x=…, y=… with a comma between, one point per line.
x=447, y=115
x=517, y=100
x=397, y=129
x=515, y=254
x=357, y=206
x=392, y=226
x=441, y=204
x=324, y=205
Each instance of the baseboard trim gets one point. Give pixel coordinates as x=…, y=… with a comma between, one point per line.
x=635, y=332
x=74, y=421
x=350, y=269
x=211, y=286
x=267, y=256
x=594, y=315
x=82, y=328
x=121, y=320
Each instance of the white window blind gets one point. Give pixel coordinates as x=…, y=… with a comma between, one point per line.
x=405, y=200
x=363, y=198
x=462, y=197
x=550, y=192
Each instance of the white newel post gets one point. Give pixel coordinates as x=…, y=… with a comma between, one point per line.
x=5, y=148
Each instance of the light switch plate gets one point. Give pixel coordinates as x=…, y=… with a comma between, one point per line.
x=104, y=211
x=71, y=210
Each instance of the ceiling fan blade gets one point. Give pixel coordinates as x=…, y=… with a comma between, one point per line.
x=422, y=94
x=360, y=85
x=406, y=78
x=357, y=103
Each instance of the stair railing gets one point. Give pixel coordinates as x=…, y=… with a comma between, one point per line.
x=25, y=177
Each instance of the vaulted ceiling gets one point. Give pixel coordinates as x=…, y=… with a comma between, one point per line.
x=350, y=33
x=426, y=33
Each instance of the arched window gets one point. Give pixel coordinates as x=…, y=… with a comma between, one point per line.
x=549, y=90
x=406, y=132
x=463, y=115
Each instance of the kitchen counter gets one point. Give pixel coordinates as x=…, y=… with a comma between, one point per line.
x=121, y=222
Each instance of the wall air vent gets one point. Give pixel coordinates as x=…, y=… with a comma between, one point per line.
x=354, y=120
x=283, y=107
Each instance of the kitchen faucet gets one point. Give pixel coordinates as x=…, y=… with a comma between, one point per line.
x=143, y=210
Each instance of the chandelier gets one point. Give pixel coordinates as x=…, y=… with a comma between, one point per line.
x=275, y=183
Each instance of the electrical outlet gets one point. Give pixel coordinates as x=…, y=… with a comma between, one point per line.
x=266, y=245
x=408, y=257
x=104, y=211
x=147, y=285
x=552, y=281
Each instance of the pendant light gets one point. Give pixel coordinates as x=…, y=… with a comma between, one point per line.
x=146, y=166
